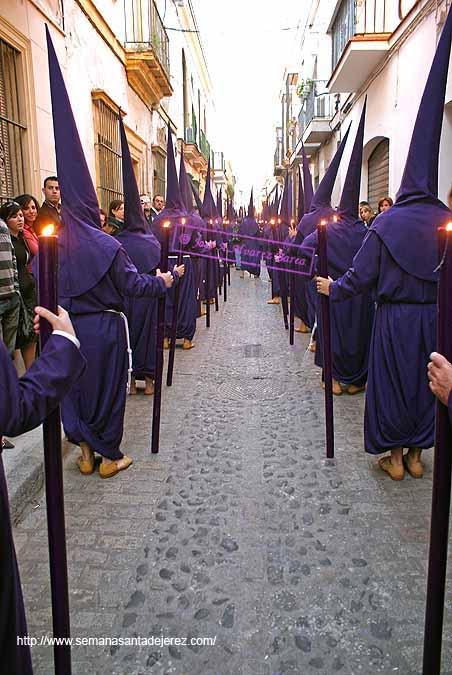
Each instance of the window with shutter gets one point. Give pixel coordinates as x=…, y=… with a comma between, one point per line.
x=378, y=173
x=108, y=153
x=12, y=128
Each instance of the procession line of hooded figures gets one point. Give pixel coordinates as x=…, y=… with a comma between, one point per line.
x=383, y=304
x=382, y=281
x=102, y=280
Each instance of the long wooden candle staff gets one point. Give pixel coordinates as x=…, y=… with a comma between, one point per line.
x=172, y=346
x=48, y=297
x=326, y=334
x=442, y=468
x=159, y=347
x=291, y=277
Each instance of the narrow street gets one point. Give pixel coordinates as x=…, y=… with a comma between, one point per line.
x=239, y=528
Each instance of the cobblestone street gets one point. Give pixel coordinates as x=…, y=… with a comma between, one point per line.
x=239, y=528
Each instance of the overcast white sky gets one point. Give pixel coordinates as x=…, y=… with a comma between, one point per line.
x=247, y=51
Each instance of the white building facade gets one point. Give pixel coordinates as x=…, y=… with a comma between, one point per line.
x=381, y=49
x=115, y=55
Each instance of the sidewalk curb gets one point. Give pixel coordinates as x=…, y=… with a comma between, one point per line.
x=24, y=470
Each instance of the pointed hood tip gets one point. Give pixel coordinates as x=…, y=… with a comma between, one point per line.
x=420, y=176
x=134, y=218
x=349, y=203
x=208, y=209
x=79, y=208
x=173, y=200
x=308, y=189
x=322, y=196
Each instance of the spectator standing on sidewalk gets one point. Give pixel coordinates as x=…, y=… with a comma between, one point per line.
x=9, y=283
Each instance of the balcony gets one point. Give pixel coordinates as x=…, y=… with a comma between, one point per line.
x=219, y=168
x=204, y=145
x=360, y=37
x=147, y=51
x=315, y=116
x=192, y=153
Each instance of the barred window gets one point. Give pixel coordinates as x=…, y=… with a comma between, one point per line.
x=159, y=185
x=108, y=154
x=12, y=129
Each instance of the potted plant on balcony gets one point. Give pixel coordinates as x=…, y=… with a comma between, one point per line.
x=304, y=88
x=292, y=126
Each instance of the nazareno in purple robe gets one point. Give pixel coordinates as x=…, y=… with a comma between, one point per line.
x=188, y=307
x=351, y=320
x=141, y=312
x=400, y=409
x=144, y=252
x=251, y=251
x=24, y=405
x=399, y=260
x=95, y=274
x=94, y=409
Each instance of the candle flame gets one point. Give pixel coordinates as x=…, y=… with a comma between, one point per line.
x=335, y=218
x=166, y=223
x=48, y=230
x=449, y=227
x=183, y=221
x=272, y=222
x=323, y=222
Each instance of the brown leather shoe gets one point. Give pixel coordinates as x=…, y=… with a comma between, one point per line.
x=110, y=470
x=188, y=344
x=165, y=343
x=302, y=328
x=273, y=301
x=352, y=389
x=312, y=347
x=337, y=389
x=414, y=466
x=395, y=471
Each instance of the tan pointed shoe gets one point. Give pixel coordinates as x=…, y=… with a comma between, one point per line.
x=110, y=470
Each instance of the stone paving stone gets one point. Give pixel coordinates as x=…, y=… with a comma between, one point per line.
x=240, y=529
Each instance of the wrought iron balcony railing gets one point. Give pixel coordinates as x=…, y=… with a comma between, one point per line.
x=317, y=105
x=144, y=30
x=204, y=144
x=367, y=17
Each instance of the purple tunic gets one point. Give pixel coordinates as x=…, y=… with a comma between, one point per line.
x=187, y=308
x=141, y=312
x=24, y=405
x=251, y=251
x=400, y=410
x=94, y=409
x=352, y=319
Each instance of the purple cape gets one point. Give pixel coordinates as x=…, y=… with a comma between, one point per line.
x=25, y=405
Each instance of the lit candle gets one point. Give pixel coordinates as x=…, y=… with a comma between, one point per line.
x=442, y=468
x=48, y=298
x=156, y=410
x=326, y=339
